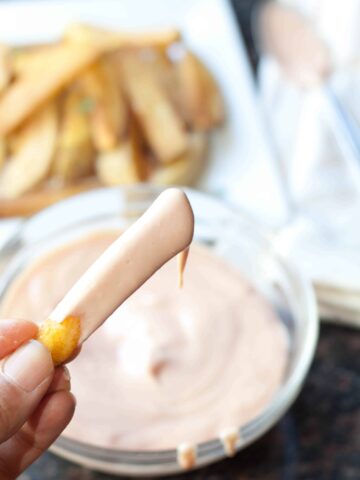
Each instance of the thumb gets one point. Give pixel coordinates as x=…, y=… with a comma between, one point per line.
x=24, y=379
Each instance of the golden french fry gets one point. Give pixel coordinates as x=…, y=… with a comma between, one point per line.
x=32, y=161
x=161, y=67
x=5, y=67
x=13, y=142
x=40, y=198
x=124, y=165
x=110, y=40
x=162, y=127
x=108, y=111
x=19, y=59
x=74, y=154
x=61, y=339
x=119, y=166
x=3, y=151
x=187, y=169
x=200, y=100
x=28, y=59
x=32, y=90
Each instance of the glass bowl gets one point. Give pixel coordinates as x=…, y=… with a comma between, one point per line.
x=231, y=235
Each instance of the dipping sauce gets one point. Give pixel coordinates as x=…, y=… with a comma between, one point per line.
x=170, y=365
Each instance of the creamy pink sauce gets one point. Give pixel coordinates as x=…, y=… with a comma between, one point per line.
x=170, y=365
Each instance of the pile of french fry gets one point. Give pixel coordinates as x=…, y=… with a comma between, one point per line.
x=101, y=108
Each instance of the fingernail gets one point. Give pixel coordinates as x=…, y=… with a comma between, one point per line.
x=29, y=366
x=67, y=374
x=67, y=378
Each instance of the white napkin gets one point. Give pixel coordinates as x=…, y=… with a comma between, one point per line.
x=324, y=237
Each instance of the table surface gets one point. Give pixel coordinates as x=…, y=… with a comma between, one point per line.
x=318, y=439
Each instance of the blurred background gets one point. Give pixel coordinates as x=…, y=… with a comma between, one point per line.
x=255, y=102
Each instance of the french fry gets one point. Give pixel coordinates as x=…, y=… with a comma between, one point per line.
x=200, y=100
x=163, y=128
x=5, y=67
x=108, y=111
x=78, y=33
x=3, y=151
x=126, y=164
x=32, y=161
x=117, y=167
x=187, y=169
x=13, y=142
x=161, y=68
x=32, y=90
x=36, y=200
x=74, y=153
x=61, y=339
x=29, y=59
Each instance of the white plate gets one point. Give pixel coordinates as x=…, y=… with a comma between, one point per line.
x=239, y=151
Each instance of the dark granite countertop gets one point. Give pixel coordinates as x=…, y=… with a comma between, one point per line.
x=318, y=439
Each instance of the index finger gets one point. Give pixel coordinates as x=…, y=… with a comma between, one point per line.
x=13, y=333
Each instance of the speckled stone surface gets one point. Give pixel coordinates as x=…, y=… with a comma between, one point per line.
x=318, y=439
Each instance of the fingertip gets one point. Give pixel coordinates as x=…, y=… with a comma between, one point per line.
x=67, y=402
x=61, y=380
x=14, y=333
x=52, y=415
x=29, y=368
x=64, y=403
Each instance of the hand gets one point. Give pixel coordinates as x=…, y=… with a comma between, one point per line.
x=35, y=399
